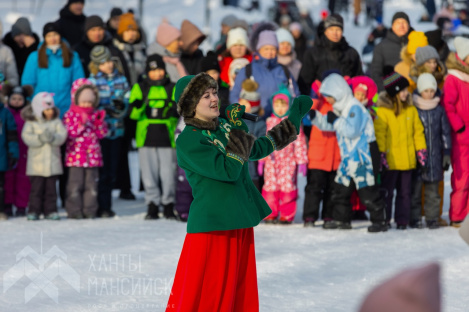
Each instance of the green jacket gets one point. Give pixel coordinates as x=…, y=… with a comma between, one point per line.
x=224, y=196
x=154, y=108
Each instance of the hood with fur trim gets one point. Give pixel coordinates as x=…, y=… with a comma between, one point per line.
x=27, y=113
x=81, y=88
x=453, y=63
x=415, y=71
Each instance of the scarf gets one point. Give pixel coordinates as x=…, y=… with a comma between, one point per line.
x=84, y=112
x=423, y=104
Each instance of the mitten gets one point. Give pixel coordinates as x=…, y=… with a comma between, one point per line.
x=303, y=169
x=300, y=107
x=331, y=117
x=240, y=144
x=384, y=163
x=99, y=117
x=312, y=114
x=282, y=134
x=446, y=162
x=260, y=168
x=422, y=157
x=46, y=136
x=12, y=161
x=233, y=114
x=461, y=130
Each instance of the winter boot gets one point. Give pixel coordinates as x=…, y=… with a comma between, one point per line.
x=152, y=213
x=270, y=220
x=108, y=213
x=309, y=222
x=53, y=216
x=359, y=215
x=338, y=225
x=442, y=222
x=416, y=224
x=20, y=212
x=168, y=211
x=8, y=210
x=33, y=216
x=432, y=224
x=376, y=227
x=126, y=195
x=401, y=226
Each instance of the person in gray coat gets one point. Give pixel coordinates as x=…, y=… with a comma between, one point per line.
x=388, y=51
x=43, y=133
x=8, y=71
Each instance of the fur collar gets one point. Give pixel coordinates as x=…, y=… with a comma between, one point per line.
x=453, y=63
x=204, y=125
x=415, y=71
x=384, y=100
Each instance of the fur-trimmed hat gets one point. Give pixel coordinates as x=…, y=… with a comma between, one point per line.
x=78, y=86
x=189, y=90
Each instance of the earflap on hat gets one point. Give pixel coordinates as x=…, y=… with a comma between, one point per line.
x=42, y=101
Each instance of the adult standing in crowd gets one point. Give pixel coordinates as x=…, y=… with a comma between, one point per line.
x=332, y=52
x=286, y=53
x=265, y=69
x=168, y=45
x=388, y=51
x=113, y=22
x=95, y=34
x=22, y=42
x=227, y=23
x=8, y=72
x=72, y=21
x=129, y=41
x=191, y=38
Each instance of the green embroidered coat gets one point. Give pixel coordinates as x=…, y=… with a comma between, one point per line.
x=224, y=196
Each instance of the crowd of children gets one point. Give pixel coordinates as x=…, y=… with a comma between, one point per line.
x=358, y=146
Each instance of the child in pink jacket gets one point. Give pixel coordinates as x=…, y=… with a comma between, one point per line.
x=85, y=125
x=281, y=167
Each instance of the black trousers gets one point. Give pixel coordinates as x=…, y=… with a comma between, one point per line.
x=63, y=179
x=43, y=195
x=319, y=187
x=108, y=172
x=369, y=196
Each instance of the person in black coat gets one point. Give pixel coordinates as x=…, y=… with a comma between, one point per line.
x=331, y=52
x=191, y=38
x=72, y=21
x=22, y=42
x=113, y=21
x=388, y=51
x=95, y=34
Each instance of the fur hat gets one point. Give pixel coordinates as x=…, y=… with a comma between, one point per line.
x=127, y=22
x=249, y=92
x=189, y=90
x=462, y=47
x=236, y=36
x=393, y=82
x=417, y=39
x=426, y=81
x=426, y=53
x=284, y=35
x=167, y=33
x=42, y=101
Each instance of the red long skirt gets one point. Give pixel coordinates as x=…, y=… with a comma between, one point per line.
x=216, y=272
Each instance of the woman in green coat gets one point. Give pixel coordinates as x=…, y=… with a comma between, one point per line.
x=217, y=267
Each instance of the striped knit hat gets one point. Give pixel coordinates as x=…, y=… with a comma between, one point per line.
x=393, y=82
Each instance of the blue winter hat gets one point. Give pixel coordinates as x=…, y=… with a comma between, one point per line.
x=267, y=37
x=284, y=35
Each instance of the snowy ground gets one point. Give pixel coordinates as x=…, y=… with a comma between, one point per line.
x=127, y=264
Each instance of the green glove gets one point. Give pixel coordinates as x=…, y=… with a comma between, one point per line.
x=301, y=106
x=233, y=115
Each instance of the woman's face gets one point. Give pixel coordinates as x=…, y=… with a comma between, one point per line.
x=268, y=51
x=431, y=65
x=207, y=108
x=284, y=48
x=52, y=38
x=237, y=51
x=16, y=100
x=403, y=95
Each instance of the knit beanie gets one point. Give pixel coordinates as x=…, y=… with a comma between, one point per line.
x=189, y=90
x=210, y=61
x=21, y=26
x=190, y=34
x=242, y=24
x=116, y=12
x=426, y=81
x=249, y=92
x=236, y=36
x=267, y=37
x=296, y=26
x=426, y=53
x=154, y=61
x=462, y=47
x=42, y=101
x=400, y=15
x=127, y=22
x=415, y=289
x=50, y=27
x=417, y=39
x=284, y=35
x=334, y=20
x=167, y=33
x=393, y=82
x=93, y=21
x=100, y=54
x=229, y=20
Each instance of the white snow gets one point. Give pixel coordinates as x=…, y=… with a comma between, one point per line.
x=127, y=264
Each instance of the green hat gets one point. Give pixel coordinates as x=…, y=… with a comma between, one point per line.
x=189, y=90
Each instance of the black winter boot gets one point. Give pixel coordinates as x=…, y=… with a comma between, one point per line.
x=152, y=213
x=337, y=225
x=378, y=227
x=169, y=211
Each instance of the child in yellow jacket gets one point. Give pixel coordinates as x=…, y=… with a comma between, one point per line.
x=401, y=141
